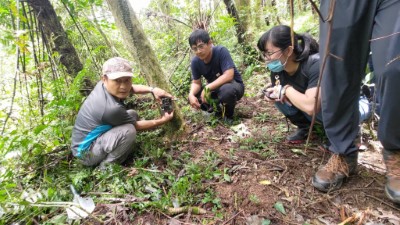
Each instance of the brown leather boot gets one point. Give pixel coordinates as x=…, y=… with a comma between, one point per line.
x=392, y=187
x=330, y=176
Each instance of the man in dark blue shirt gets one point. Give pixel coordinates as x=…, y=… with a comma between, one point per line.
x=224, y=82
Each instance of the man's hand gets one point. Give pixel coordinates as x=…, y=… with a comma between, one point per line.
x=194, y=102
x=203, y=96
x=158, y=93
x=167, y=116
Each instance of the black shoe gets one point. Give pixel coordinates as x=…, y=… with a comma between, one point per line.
x=298, y=136
x=330, y=176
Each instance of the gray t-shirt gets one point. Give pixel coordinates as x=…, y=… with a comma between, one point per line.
x=98, y=114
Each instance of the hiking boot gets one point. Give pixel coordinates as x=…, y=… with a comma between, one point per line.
x=330, y=176
x=298, y=136
x=392, y=187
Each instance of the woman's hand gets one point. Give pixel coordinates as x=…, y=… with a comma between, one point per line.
x=268, y=93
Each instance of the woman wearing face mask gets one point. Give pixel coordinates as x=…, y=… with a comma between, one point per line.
x=294, y=76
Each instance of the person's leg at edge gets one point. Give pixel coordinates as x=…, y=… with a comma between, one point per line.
x=340, y=86
x=385, y=50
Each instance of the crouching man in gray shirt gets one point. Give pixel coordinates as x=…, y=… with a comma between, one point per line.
x=104, y=131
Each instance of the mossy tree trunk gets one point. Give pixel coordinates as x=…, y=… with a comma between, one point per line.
x=240, y=27
x=55, y=33
x=141, y=50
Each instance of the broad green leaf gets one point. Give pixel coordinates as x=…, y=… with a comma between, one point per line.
x=10, y=185
x=59, y=219
x=266, y=222
x=227, y=177
x=39, y=129
x=298, y=151
x=279, y=207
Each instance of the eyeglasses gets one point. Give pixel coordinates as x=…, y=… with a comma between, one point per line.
x=199, y=47
x=268, y=55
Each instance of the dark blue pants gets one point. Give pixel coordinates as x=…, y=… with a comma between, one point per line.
x=363, y=105
x=358, y=27
x=292, y=110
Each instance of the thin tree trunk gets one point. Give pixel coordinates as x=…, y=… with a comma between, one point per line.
x=55, y=32
x=83, y=36
x=240, y=30
x=16, y=27
x=139, y=46
x=98, y=27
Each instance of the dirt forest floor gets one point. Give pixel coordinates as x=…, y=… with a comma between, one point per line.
x=270, y=180
x=259, y=181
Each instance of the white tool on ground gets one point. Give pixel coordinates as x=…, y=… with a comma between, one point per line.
x=83, y=207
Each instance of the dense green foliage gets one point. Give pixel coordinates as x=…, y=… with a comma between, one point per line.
x=39, y=102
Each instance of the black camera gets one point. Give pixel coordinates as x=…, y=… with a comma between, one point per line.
x=166, y=104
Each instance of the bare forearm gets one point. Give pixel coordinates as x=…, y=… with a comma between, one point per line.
x=304, y=102
x=223, y=79
x=195, y=87
x=149, y=124
x=141, y=89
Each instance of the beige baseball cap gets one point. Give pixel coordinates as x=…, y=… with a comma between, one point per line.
x=117, y=67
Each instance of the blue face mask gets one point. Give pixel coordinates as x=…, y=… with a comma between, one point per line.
x=275, y=66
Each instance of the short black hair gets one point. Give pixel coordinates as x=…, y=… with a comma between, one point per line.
x=199, y=35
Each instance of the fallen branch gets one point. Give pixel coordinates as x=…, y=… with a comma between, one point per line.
x=234, y=216
x=122, y=200
x=348, y=220
x=280, y=177
x=194, y=209
x=379, y=200
x=360, y=217
x=280, y=168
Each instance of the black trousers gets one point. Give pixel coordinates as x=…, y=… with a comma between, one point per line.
x=358, y=27
x=227, y=94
